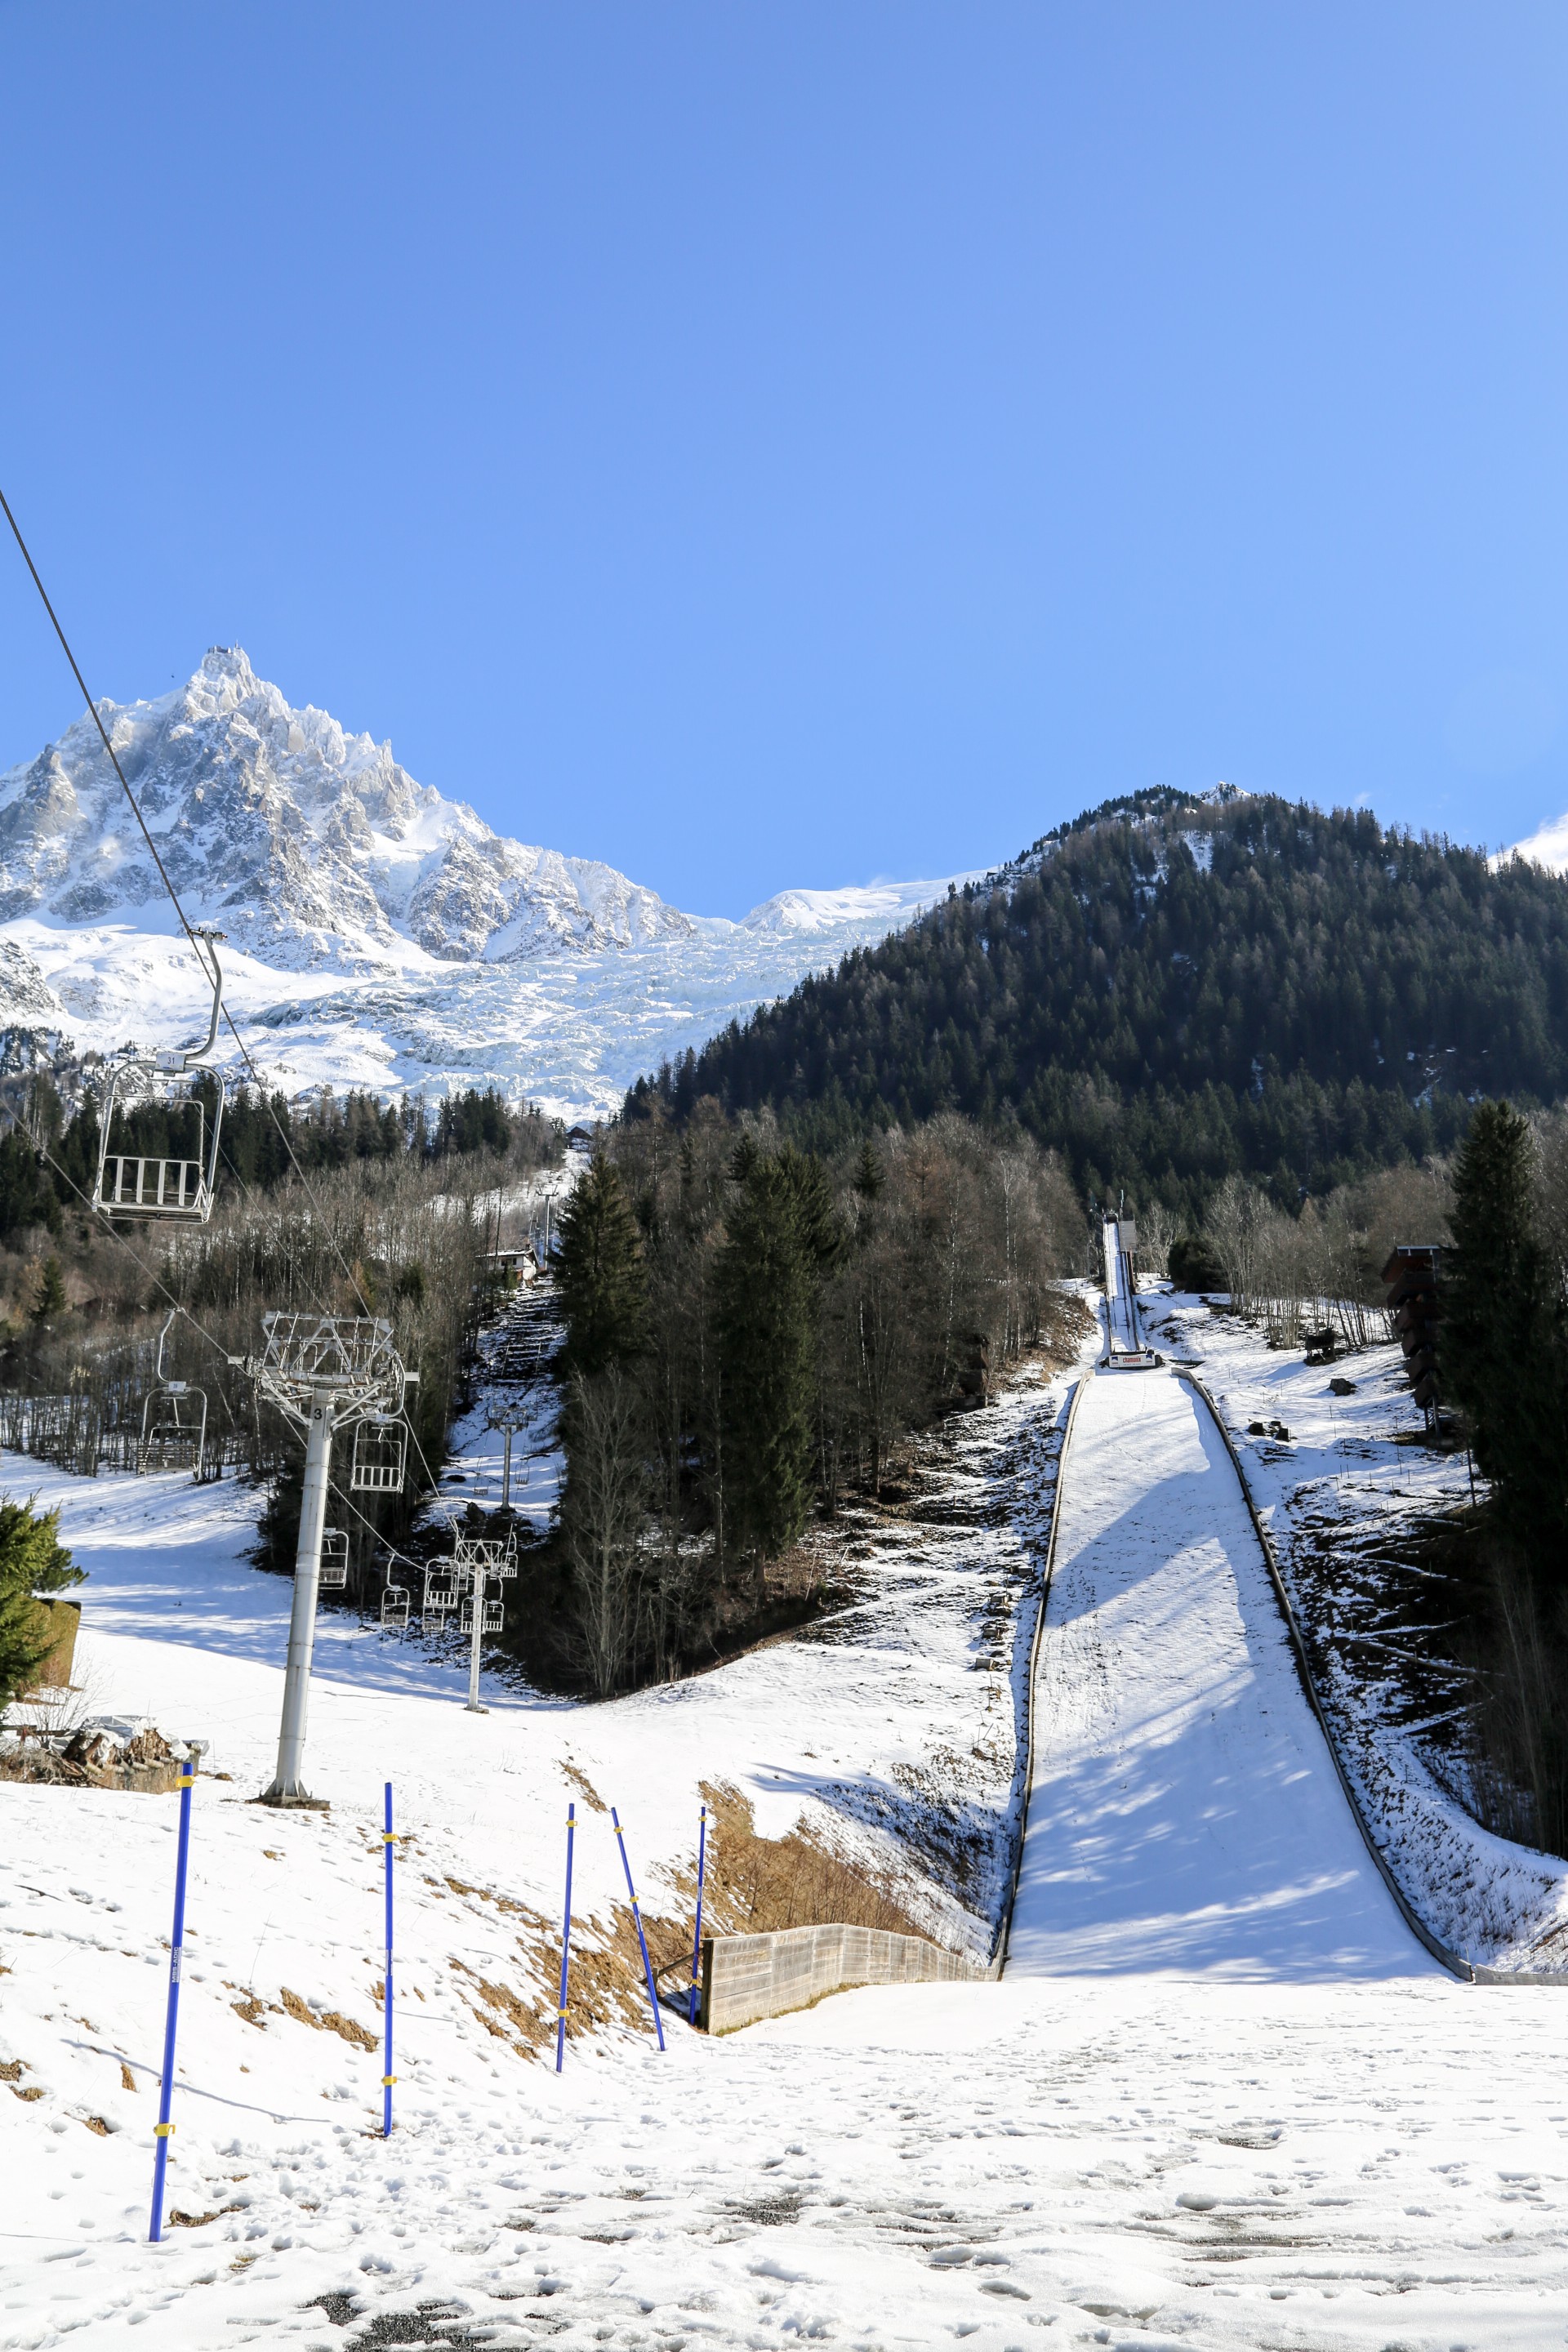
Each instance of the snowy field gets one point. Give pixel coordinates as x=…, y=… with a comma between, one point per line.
x=894, y=1724
x=1213, y=2120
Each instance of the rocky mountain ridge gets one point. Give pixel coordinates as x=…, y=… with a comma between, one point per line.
x=379, y=934
x=309, y=846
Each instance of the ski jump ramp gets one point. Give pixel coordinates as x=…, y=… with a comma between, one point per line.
x=1185, y=1814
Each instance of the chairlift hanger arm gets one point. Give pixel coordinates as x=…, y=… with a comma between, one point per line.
x=190, y=1058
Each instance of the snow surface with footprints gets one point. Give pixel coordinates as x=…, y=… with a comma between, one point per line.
x=1210, y=2120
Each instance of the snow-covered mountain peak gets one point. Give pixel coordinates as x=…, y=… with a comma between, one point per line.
x=312, y=847
x=379, y=934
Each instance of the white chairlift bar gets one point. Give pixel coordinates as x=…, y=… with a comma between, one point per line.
x=131, y=1185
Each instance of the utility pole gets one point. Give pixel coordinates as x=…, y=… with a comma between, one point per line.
x=326, y=1372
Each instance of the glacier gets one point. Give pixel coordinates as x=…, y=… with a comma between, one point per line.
x=379, y=934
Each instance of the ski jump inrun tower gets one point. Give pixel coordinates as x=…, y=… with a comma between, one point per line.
x=1125, y=1350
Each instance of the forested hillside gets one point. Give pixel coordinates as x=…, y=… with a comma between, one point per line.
x=1170, y=992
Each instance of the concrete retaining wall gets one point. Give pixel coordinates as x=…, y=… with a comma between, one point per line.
x=748, y=1976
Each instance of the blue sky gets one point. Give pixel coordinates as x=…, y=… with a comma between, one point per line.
x=762, y=445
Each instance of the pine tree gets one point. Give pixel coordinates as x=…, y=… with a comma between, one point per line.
x=779, y=1234
x=1503, y=1348
x=603, y=1279
x=51, y=1299
x=32, y=1562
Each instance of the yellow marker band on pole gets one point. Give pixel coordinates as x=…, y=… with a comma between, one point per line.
x=161, y=2131
x=387, y=2081
x=387, y=1838
x=560, y=2012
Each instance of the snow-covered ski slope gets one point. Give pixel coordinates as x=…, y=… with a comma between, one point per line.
x=1177, y=2159
x=1185, y=1814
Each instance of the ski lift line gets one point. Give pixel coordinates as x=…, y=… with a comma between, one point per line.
x=174, y=897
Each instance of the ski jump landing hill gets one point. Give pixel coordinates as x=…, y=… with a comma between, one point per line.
x=1183, y=1813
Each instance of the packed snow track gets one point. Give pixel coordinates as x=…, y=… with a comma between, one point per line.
x=1185, y=1814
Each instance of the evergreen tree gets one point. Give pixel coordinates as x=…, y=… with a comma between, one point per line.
x=1503, y=1347
x=779, y=1234
x=604, y=1282
x=32, y=1562
x=26, y=1196
x=51, y=1299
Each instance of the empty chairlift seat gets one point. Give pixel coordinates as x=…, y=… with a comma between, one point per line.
x=174, y=1419
x=176, y=1188
x=394, y=1607
x=440, y=1587
x=380, y=1445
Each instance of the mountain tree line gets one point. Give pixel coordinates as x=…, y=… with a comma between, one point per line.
x=752, y=1330
x=1168, y=993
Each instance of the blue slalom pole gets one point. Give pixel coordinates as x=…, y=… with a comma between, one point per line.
x=164, y=2127
x=388, y=2077
x=566, y=1944
x=696, y=1936
x=637, y=1914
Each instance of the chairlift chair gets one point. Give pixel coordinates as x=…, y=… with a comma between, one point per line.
x=394, y=1609
x=440, y=1587
x=174, y=1420
x=491, y=1623
x=335, y=1559
x=131, y=1185
x=380, y=1448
